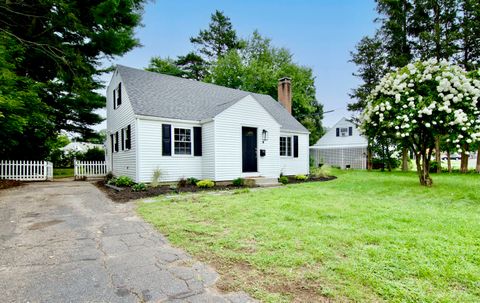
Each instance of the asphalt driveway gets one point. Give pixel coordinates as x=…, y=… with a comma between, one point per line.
x=66, y=242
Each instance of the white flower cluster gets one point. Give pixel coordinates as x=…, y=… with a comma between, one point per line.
x=433, y=97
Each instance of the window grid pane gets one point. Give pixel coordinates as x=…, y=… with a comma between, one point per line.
x=182, y=139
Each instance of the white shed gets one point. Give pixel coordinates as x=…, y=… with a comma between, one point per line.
x=188, y=128
x=341, y=146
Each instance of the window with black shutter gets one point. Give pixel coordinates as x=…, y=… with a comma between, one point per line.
x=119, y=94
x=128, y=140
x=338, y=132
x=123, y=139
x=295, y=146
x=166, y=140
x=197, y=141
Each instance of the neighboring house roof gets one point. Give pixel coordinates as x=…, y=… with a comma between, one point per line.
x=159, y=95
x=330, y=139
x=80, y=147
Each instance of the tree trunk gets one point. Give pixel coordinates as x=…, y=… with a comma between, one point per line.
x=423, y=167
x=449, y=162
x=478, y=160
x=464, y=163
x=404, y=159
x=438, y=157
x=369, y=159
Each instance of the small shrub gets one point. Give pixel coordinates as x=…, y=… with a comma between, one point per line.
x=301, y=178
x=124, y=181
x=283, y=180
x=139, y=187
x=205, y=183
x=182, y=182
x=192, y=181
x=108, y=176
x=321, y=172
x=112, y=181
x=433, y=166
x=238, y=182
x=157, y=173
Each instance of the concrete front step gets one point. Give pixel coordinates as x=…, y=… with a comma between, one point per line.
x=261, y=181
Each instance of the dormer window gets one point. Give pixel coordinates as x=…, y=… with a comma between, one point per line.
x=117, y=96
x=344, y=131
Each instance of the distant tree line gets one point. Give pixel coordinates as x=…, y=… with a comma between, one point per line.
x=250, y=64
x=417, y=29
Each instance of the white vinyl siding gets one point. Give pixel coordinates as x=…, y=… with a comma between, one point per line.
x=228, y=140
x=150, y=156
x=300, y=165
x=208, y=150
x=124, y=161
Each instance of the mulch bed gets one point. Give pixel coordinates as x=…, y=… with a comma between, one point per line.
x=291, y=179
x=4, y=184
x=127, y=194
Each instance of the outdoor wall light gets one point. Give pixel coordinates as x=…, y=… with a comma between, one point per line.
x=264, y=135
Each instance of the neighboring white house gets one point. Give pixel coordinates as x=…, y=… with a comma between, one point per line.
x=342, y=146
x=82, y=147
x=188, y=128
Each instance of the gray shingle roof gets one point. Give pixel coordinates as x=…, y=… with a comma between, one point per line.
x=154, y=94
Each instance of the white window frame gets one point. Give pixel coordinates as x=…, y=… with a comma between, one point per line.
x=288, y=151
x=190, y=129
x=125, y=131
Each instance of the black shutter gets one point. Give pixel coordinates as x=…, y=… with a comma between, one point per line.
x=112, y=143
x=116, y=141
x=114, y=99
x=119, y=94
x=338, y=132
x=295, y=146
x=350, y=131
x=128, y=142
x=197, y=141
x=166, y=140
x=123, y=139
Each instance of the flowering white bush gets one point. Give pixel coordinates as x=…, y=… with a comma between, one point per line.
x=423, y=100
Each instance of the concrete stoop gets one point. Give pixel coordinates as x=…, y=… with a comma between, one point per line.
x=261, y=181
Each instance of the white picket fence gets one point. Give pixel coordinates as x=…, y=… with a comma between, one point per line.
x=26, y=170
x=90, y=169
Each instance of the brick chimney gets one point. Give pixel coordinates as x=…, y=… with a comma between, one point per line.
x=285, y=93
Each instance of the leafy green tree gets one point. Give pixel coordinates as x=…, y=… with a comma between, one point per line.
x=423, y=101
x=257, y=68
x=218, y=39
x=62, y=43
x=371, y=60
x=166, y=66
x=193, y=66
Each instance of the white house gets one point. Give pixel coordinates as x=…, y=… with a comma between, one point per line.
x=188, y=128
x=82, y=147
x=341, y=146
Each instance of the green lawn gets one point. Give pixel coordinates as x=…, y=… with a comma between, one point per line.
x=59, y=173
x=363, y=237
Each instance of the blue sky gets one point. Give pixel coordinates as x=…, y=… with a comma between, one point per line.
x=319, y=33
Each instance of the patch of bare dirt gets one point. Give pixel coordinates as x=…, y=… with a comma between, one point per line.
x=240, y=275
x=4, y=184
x=128, y=194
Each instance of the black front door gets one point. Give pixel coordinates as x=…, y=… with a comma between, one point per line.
x=249, y=149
